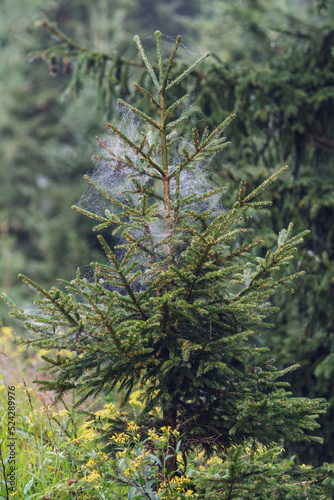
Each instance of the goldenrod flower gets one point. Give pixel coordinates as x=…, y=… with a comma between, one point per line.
x=93, y=477
x=108, y=411
x=132, y=427
x=91, y=463
x=87, y=435
x=120, y=438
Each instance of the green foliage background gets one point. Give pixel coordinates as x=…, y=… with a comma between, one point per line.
x=273, y=66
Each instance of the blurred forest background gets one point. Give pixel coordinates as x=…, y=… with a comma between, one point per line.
x=272, y=63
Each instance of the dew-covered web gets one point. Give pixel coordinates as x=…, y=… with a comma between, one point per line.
x=184, y=52
x=195, y=180
x=116, y=163
x=112, y=166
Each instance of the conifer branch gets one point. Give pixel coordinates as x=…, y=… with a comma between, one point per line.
x=138, y=243
x=272, y=261
x=91, y=215
x=224, y=222
x=207, y=140
x=107, y=195
x=264, y=184
x=196, y=138
x=145, y=190
x=75, y=48
x=201, y=261
x=107, y=324
x=136, y=148
x=177, y=122
x=159, y=54
x=171, y=108
x=146, y=62
x=241, y=192
x=202, y=150
x=148, y=95
x=51, y=299
x=169, y=66
x=188, y=71
x=144, y=116
x=103, y=145
x=113, y=259
x=194, y=198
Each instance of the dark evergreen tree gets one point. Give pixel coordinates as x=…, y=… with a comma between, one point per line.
x=177, y=307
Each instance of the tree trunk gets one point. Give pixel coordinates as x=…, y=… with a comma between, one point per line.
x=169, y=418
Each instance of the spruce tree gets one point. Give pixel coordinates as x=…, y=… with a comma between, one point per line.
x=276, y=123
x=177, y=306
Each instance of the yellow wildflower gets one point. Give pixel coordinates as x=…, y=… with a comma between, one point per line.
x=132, y=427
x=91, y=463
x=108, y=411
x=121, y=453
x=180, y=483
x=154, y=436
x=87, y=435
x=166, y=429
x=93, y=476
x=120, y=438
